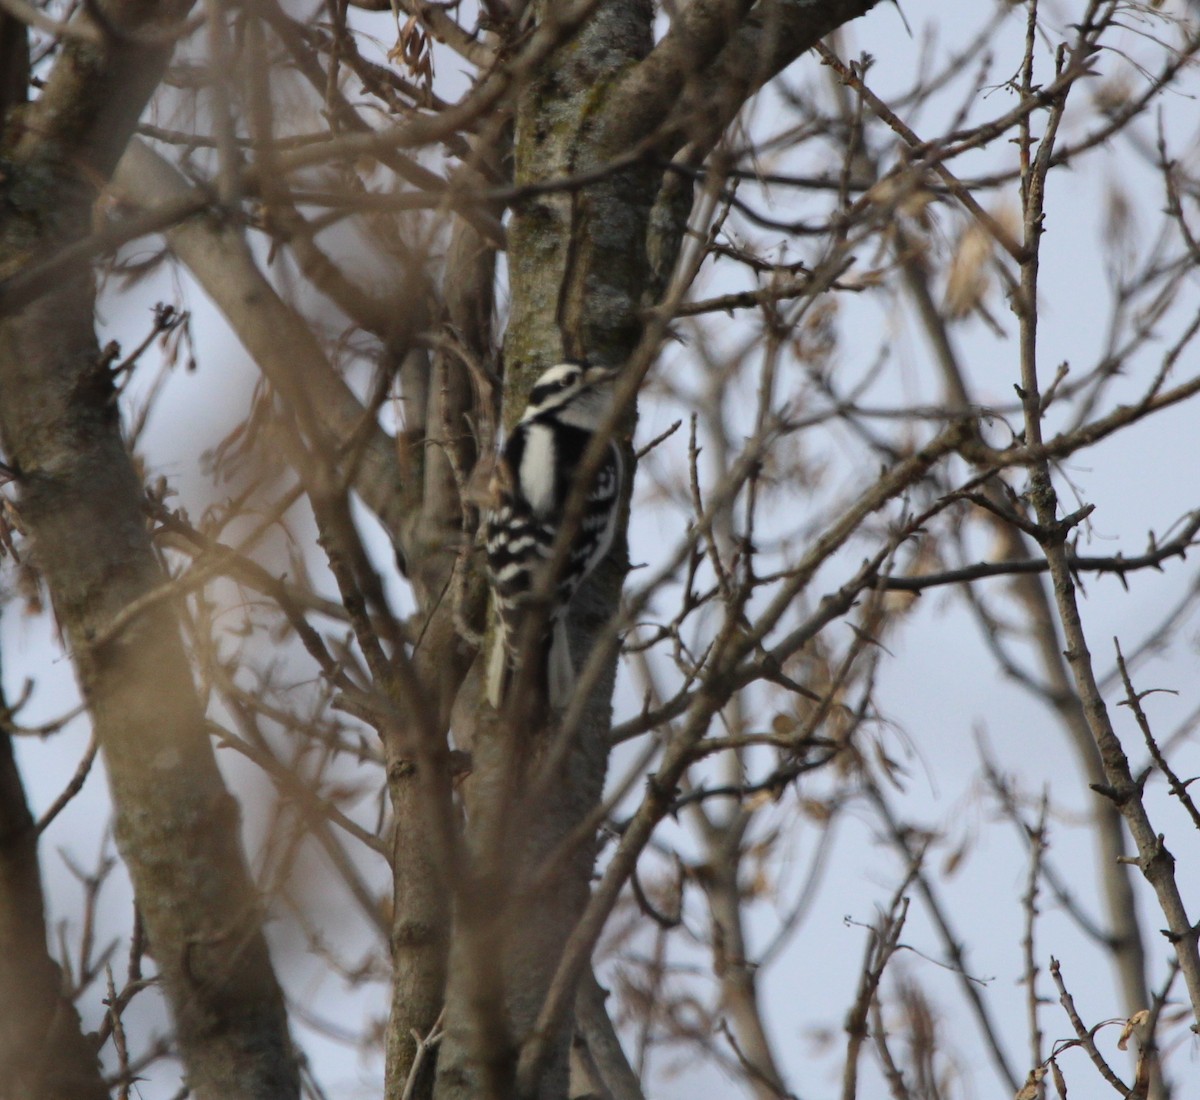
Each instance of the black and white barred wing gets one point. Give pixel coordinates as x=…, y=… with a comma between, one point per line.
x=522, y=526
x=595, y=537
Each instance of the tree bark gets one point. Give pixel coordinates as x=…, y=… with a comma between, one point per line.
x=176, y=826
x=421, y=914
x=580, y=266
x=577, y=268
x=43, y=1052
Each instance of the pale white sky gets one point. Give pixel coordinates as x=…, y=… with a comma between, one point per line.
x=942, y=689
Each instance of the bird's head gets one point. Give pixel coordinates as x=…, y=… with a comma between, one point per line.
x=576, y=393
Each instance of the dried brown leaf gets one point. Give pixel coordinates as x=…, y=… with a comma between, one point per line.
x=1060, y=1082
x=968, y=280
x=1033, y=1084
x=954, y=859
x=1131, y=1025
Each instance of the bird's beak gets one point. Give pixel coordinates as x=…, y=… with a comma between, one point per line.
x=599, y=376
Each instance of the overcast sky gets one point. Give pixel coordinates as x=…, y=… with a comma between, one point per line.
x=942, y=693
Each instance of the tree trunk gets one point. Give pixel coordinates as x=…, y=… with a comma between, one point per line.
x=81, y=500
x=43, y=1052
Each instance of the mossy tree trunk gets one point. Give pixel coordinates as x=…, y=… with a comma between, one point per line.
x=176, y=826
x=585, y=265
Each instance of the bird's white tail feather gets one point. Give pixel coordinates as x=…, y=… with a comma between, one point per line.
x=560, y=673
x=497, y=671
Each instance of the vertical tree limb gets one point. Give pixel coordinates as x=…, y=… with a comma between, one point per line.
x=1155, y=862
x=43, y=1052
x=80, y=497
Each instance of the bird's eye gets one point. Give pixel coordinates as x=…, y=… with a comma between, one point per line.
x=556, y=385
